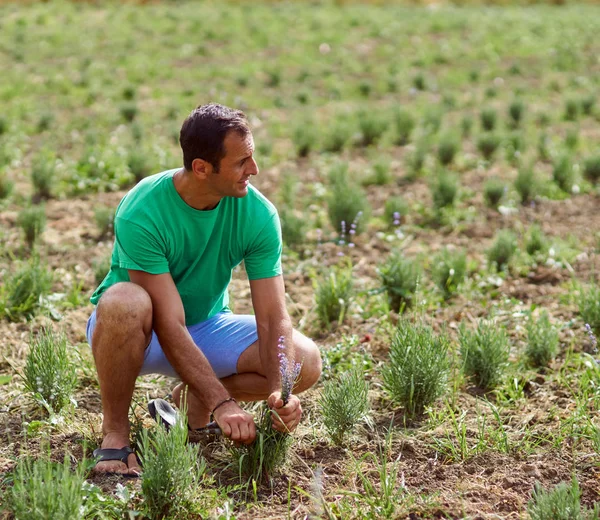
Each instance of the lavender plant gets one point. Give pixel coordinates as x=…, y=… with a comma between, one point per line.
x=487, y=144
x=562, y=172
x=563, y=502
x=591, y=168
x=346, y=199
x=344, y=403
x=526, y=184
x=542, y=341
x=289, y=371
x=488, y=117
x=399, y=277
x=536, y=241
x=404, y=124
x=493, y=191
x=589, y=306
x=334, y=293
x=32, y=221
x=503, y=248
x=449, y=270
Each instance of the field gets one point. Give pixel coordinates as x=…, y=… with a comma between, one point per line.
x=437, y=173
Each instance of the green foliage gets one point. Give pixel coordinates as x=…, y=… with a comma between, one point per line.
x=49, y=375
x=338, y=134
x=346, y=199
x=3, y=125
x=487, y=144
x=488, y=117
x=138, y=163
x=444, y=189
x=493, y=191
x=372, y=125
x=399, y=277
x=173, y=471
x=503, y=248
x=542, y=341
x=32, y=220
x=43, y=173
x=293, y=227
x=449, y=270
x=591, y=168
x=334, y=292
x=563, y=502
x=417, y=371
x=304, y=137
x=484, y=353
x=572, y=138
x=101, y=267
x=589, y=306
x=587, y=105
x=342, y=356
x=466, y=125
x=515, y=144
x=536, y=240
x=447, y=149
x=381, y=173
x=22, y=289
x=415, y=160
x=344, y=403
x=572, y=107
x=105, y=218
x=6, y=185
x=395, y=206
x=128, y=110
x=562, y=172
x=516, y=111
x=404, y=124
x=43, y=489
x=526, y=184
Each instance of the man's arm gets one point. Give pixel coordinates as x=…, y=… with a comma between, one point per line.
x=168, y=318
x=273, y=322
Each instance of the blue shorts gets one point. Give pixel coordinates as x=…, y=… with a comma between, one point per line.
x=222, y=339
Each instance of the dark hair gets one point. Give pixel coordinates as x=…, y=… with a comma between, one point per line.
x=204, y=131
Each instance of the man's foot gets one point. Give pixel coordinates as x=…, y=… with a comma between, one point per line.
x=120, y=443
x=198, y=416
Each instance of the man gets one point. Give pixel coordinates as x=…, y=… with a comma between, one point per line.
x=163, y=306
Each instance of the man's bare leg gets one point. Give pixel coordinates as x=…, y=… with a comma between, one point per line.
x=249, y=384
x=123, y=330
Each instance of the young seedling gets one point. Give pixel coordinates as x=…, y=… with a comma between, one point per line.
x=399, y=277
x=542, y=341
x=33, y=222
x=334, y=293
x=449, y=270
x=503, y=248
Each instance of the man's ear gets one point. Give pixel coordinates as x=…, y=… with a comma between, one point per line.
x=201, y=168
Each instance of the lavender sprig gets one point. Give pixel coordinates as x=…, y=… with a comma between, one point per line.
x=592, y=337
x=289, y=371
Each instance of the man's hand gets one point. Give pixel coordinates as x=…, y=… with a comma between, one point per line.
x=235, y=423
x=285, y=418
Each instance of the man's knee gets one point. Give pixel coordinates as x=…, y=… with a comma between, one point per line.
x=309, y=355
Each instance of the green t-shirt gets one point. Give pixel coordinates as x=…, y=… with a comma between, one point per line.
x=157, y=232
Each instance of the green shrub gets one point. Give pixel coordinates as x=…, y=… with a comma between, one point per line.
x=304, y=138
x=293, y=227
x=493, y=191
x=536, y=241
x=346, y=199
x=447, y=149
x=43, y=173
x=43, y=489
x=589, y=306
x=449, y=270
x=591, y=168
x=571, y=112
x=487, y=144
x=417, y=371
x=32, y=220
x=572, y=138
x=563, y=502
x=432, y=119
x=415, y=160
x=587, y=105
x=372, y=126
x=542, y=341
x=128, y=110
x=138, y=163
x=344, y=403
x=399, y=277
x=22, y=289
x=515, y=144
x=516, y=111
x=419, y=81
x=562, y=172
x=503, y=248
x=444, y=190
x=334, y=292
x=484, y=353
x=49, y=375
x=6, y=185
x=3, y=125
x=381, y=173
x=337, y=135
x=526, y=184
x=172, y=471
x=44, y=122
x=101, y=267
x=488, y=117
x=404, y=124
x=396, y=209
x=105, y=218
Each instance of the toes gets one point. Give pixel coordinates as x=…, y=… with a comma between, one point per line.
x=134, y=467
x=111, y=467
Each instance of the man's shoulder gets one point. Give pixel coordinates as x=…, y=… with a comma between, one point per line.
x=151, y=187
x=257, y=201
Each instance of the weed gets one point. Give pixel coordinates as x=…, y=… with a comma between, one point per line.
x=49, y=375
x=542, y=341
x=488, y=117
x=526, y=184
x=404, y=124
x=444, y=190
x=43, y=489
x=493, y=191
x=22, y=290
x=536, y=241
x=487, y=144
x=562, y=172
x=418, y=368
x=589, y=306
x=449, y=270
x=563, y=502
x=447, y=149
x=484, y=353
x=503, y=248
x=344, y=403
x=591, y=168
x=172, y=470
x=340, y=358
x=516, y=111
x=104, y=217
x=334, y=293
x=399, y=277
x=32, y=221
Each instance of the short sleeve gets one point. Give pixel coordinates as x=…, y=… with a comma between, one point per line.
x=263, y=257
x=139, y=249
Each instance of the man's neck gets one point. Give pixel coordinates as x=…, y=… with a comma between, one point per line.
x=192, y=192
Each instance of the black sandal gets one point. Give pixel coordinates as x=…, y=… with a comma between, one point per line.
x=163, y=413
x=107, y=454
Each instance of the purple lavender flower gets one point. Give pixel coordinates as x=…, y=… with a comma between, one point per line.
x=289, y=371
x=592, y=337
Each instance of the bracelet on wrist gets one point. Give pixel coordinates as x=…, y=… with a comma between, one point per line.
x=221, y=403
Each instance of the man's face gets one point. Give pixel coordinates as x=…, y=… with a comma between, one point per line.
x=236, y=167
